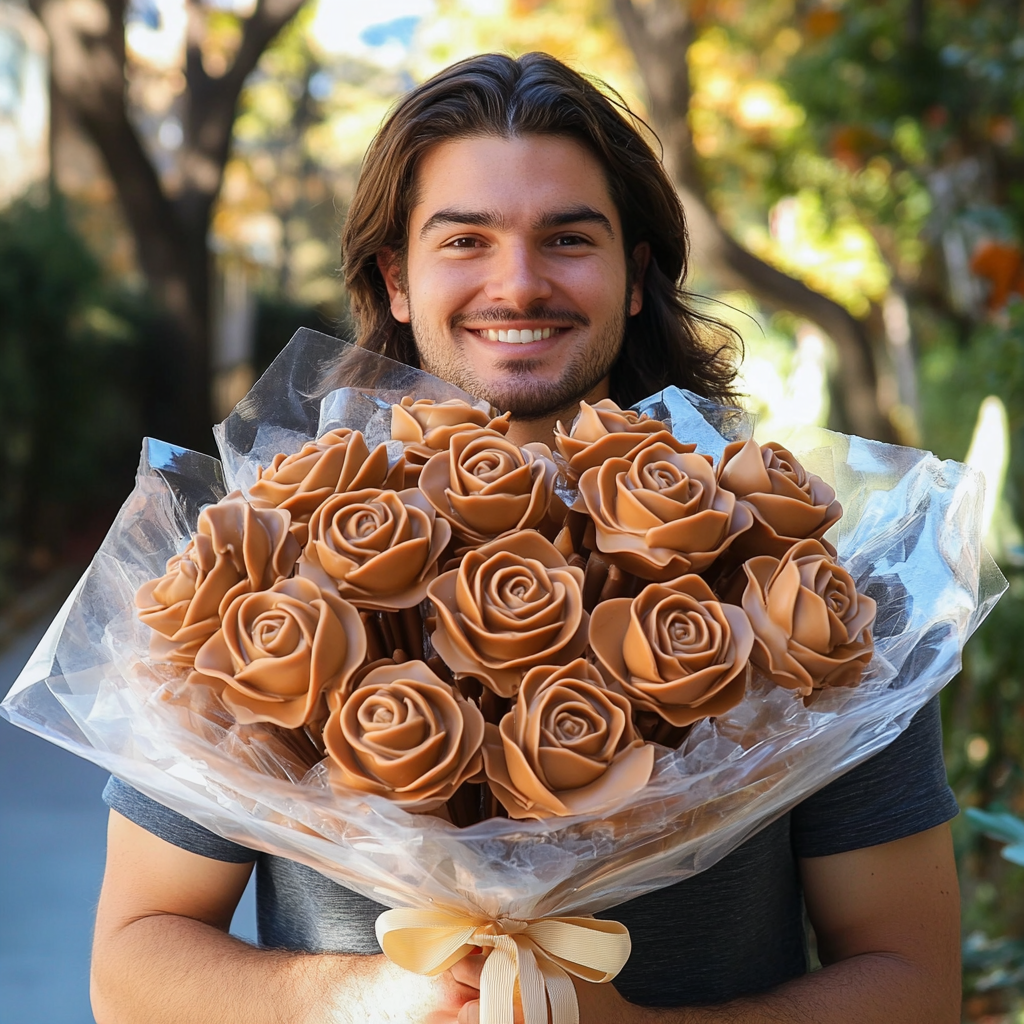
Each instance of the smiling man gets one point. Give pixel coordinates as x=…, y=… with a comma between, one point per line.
x=513, y=233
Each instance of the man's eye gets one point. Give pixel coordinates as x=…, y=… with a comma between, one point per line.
x=464, y=243
x=567, y=241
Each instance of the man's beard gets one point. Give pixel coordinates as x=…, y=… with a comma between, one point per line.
x=518, y=391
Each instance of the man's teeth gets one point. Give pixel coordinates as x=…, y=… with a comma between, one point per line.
x=514, y=337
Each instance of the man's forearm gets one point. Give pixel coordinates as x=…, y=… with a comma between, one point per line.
x=165, y=969
x=875, y=988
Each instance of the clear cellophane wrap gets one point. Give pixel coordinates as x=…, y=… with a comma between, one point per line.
x=910, y=536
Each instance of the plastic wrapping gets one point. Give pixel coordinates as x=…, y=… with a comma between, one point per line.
x=910, y=537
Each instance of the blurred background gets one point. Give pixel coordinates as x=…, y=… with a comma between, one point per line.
x=173, y=178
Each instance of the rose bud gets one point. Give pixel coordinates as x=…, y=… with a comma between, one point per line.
x=788, y=503
x=486, y=486
x=512, y=604
x=604, y=431
x=235, y=549
x=404, y=734
x=279, y=650
x=568, y=746
x=675, y=649
x=811, y=627
x=426, y=427
x=378, y=549
x=336, y=462
x=660, y=514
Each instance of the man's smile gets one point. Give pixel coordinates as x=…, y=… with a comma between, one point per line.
x=517, y=335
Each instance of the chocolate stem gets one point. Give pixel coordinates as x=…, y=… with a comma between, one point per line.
x=391, y=642
x=593, y=581
x=412, y=627
x=374, y=641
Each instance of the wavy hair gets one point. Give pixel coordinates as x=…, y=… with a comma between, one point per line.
x=667, y=342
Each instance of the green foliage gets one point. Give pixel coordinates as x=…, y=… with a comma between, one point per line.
x=69, y=420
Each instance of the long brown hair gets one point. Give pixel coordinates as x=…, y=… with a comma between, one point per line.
x=667, y=342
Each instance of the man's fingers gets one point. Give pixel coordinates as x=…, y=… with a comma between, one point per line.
x=467, y=970
x=470, y=1012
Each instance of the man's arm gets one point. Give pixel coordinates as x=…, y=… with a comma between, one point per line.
x=887, y=919
x=162, y=953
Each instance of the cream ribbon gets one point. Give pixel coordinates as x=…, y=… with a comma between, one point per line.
x=539, y=954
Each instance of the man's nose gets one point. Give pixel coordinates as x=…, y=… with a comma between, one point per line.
x=517, y=277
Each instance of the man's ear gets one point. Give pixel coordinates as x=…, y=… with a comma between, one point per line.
x=390, y=266
x=641, y=258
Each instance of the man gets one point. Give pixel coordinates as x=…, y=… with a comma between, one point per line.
x=514, y=234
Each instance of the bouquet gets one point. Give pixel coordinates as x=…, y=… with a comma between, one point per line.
x=500, y=688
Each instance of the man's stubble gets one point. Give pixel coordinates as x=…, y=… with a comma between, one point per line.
x=518, y=391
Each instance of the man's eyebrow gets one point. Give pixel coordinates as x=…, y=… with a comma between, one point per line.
x=470, y=218
x=581, y=214
x=494, y=220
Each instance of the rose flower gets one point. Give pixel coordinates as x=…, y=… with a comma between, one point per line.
x=403, y=734
x=279, y=650
x=604, y=431
x=568, y=746
x=674, y=649
x=512, y=604
x=378, y=549
x=486, y=486
x=336, y=462
x=426, y=427
x=811, y=627
x=660, y=514
x=235, y=549
x=788, y=503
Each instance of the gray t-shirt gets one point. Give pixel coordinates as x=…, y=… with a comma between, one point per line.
x=735, y=929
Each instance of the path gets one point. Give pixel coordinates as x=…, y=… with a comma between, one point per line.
x=52, y=846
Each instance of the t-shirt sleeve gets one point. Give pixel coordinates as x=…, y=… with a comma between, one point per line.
x=900, y=791
x=170, y=826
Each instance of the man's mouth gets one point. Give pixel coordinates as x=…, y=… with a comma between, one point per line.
x=522, y=336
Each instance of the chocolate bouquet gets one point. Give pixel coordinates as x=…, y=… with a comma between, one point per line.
x=502, y=687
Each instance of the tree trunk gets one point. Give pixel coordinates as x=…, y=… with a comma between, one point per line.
x=89, y=70
x=660, y=33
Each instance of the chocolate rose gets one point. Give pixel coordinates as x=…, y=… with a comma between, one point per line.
x=788, y=503
x=512, y=604
x=279, y=650
x=675, y=650
x=235, y=549
x=811, y=627
x=379, y=549
x=568, y=746
x=426, y=427
x=338, y=461
x=604, y=431
x=404, y=734
x=660, y=514
x=486, y=486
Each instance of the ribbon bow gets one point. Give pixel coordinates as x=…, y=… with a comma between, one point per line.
x=541, y=954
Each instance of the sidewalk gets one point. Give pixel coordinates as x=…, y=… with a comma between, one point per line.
x=52, y=844
x=52, y=849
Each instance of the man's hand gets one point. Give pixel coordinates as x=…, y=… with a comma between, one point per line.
x=598, y=1003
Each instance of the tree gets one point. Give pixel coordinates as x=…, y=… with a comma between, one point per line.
x=660, y=33
x=169, y=225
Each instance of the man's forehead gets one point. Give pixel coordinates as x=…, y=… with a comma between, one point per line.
x=535, y=181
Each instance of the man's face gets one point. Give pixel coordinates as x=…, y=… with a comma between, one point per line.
x=515, y=281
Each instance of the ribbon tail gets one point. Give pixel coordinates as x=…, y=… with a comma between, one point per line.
x=497, y=987
x=565, y=1007
x=531, y=986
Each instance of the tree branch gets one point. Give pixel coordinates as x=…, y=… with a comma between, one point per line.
x=87, y=66
x=660, y=33
x=212, y=101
